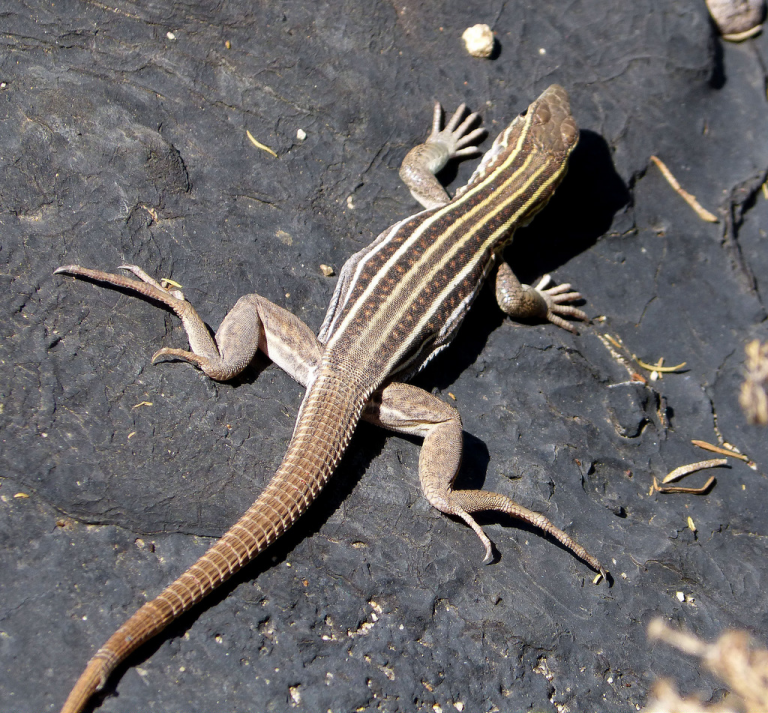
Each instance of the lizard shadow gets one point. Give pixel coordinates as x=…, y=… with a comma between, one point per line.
x=580, y=212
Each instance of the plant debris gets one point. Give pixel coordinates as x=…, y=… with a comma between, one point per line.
x=734, y=658
x=754, y=391
x=690, y=199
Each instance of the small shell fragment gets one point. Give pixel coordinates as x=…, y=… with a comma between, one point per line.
x=737, y=19
x=479, y=41
x=301, y=134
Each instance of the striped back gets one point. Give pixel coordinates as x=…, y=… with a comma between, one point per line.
x=409, y=290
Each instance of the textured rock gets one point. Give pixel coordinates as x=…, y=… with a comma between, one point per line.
x=120, y=142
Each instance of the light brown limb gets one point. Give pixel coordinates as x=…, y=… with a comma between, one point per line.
x=407, y=409
x=425, y=160
x=253, y=323
x=541, y=302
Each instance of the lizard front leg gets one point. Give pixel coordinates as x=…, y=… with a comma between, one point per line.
x=407, y=409
x=253, y=323
x=541, y=302
x=425, y=160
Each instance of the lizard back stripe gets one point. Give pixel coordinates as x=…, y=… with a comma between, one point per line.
x=378, y=265
x=434, y=316
x=422, y=278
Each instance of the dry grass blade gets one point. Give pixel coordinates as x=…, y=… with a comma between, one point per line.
x=722, y=451
x=259, y=145
x=690, y=199
x=680, y=489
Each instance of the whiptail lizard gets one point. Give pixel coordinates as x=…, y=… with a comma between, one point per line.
x=398, y=302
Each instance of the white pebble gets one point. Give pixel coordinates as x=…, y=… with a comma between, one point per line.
x=479, y=41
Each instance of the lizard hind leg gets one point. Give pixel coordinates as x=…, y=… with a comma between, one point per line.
x=476, y=500
x=407, y=409
x=204, y=349
x=253, y=323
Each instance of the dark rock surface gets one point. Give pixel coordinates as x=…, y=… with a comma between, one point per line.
x=123, y=139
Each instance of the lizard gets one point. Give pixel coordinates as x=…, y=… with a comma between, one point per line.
x=397, y=303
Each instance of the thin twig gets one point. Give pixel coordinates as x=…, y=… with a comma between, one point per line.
x=703, y=213
x=722, y=451
x=259, y=145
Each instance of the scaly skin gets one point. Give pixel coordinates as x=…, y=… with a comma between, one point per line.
x=397, y=303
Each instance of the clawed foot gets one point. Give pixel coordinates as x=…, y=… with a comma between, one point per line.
x=464, y=502
x=555, y=298
x=454, y=136
x=424, y=161
x=540, y=302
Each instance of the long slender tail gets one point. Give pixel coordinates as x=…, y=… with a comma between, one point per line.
x=329, y=415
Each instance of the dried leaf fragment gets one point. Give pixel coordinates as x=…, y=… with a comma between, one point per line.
x=734, y=658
